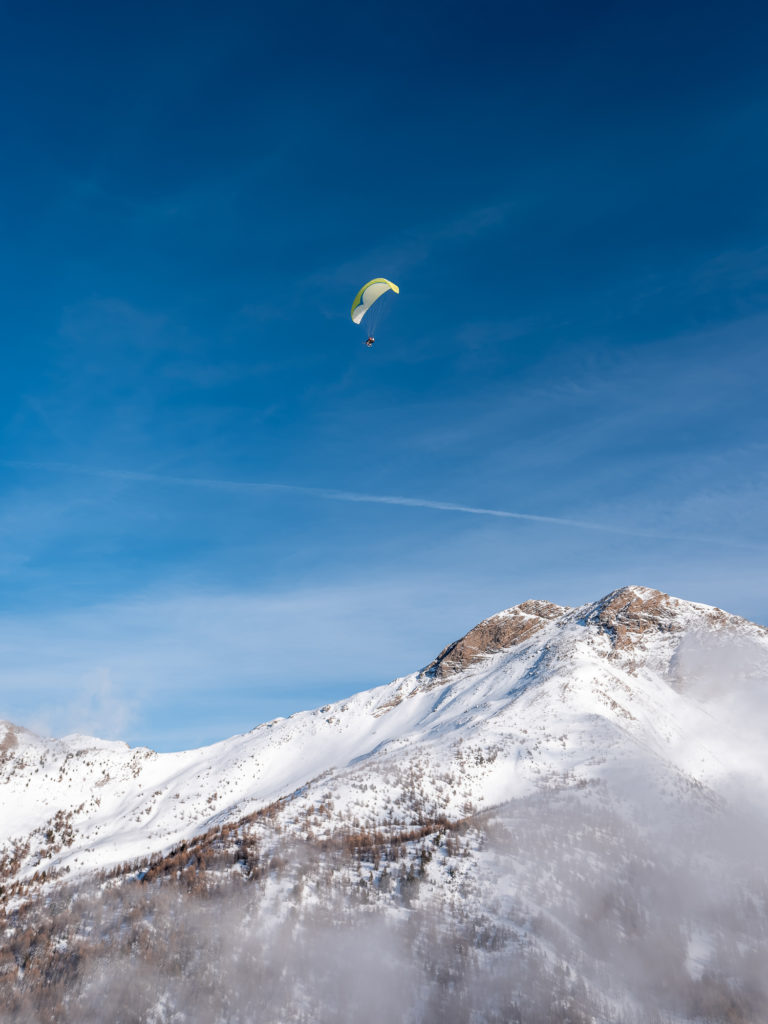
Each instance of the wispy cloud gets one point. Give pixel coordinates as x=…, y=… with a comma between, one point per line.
x=90, y=703
x=331, y=494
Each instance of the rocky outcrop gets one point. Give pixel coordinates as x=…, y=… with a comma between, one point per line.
x=8, y=737
x=632, y=614
x=628, y=613
x=499, y=632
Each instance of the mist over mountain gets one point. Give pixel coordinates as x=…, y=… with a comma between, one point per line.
x=560, y=818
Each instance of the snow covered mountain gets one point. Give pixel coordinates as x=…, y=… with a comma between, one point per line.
x=560, y=820
x=535, y=698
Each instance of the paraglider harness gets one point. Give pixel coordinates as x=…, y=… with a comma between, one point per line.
x=369, y=341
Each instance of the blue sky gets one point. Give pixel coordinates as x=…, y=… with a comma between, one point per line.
x=572, y=198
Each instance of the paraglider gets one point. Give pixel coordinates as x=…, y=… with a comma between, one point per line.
x=370, y=304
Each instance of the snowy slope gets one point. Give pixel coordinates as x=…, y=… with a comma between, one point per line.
x=536, y=697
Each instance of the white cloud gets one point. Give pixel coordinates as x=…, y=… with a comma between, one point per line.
x=92, y=705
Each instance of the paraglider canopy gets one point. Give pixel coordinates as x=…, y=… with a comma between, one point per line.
x=369, y=294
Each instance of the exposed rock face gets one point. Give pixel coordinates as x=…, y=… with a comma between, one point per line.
x=8, y=736
x=628, y=616
x=632, y=614
x=506, y=629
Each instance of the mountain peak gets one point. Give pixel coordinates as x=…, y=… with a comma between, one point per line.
x=631, y=613
x=624, y=614
x=496, y=633
x=627, y=616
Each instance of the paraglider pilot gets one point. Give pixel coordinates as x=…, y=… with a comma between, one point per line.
x=367, y=297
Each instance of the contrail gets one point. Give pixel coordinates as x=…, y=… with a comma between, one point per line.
x=329, y=494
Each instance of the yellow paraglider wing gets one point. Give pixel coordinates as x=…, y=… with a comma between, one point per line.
x=368, y=294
